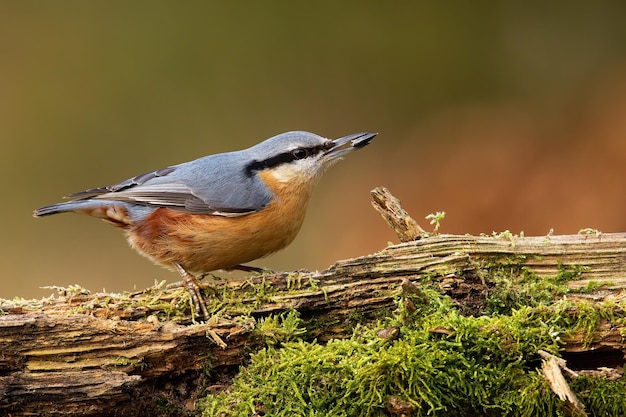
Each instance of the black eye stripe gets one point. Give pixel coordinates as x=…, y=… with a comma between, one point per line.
x=286, y=157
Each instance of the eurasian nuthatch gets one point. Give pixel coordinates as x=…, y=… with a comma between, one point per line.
x=219, y=211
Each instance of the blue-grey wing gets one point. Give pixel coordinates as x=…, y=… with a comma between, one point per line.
x=216, y=184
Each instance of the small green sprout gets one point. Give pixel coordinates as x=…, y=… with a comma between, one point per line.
x=435, y=220
x=505, y=235
x=589, y=231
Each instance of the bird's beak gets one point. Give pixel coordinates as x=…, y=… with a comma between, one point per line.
x=349, y=143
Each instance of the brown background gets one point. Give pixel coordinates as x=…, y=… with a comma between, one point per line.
x=505, y=116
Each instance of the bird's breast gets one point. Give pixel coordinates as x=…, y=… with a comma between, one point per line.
x=205, y=242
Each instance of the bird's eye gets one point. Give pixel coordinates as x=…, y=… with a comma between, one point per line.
x=299, y=153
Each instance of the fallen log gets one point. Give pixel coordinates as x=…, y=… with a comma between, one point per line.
x=133, y=354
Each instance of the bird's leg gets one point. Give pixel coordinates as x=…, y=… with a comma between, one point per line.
x=194, y=290
x=248, y=268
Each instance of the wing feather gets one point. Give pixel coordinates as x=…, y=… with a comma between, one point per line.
x=199, y=186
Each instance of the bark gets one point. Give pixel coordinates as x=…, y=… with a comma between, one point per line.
x=107, y=354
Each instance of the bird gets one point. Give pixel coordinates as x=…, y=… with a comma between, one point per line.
x=220, y=211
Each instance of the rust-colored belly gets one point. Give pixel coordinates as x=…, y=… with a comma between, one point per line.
x=205, y=242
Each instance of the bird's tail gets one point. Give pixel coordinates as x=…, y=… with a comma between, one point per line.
x=118, y=213
x=57, y=208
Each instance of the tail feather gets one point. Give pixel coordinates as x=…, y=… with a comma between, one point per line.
x=96, y=208
x=118, y=213
x=54, y=209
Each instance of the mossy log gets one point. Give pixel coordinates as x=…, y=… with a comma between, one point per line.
x=139, y=353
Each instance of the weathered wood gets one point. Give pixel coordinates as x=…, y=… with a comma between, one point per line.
x=551, y=369
x=106, y=354
x=405, y=227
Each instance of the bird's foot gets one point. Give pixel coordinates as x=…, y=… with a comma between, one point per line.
x=194, y=290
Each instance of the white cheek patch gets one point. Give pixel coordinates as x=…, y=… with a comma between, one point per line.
x=303, y=171
x=289, y=172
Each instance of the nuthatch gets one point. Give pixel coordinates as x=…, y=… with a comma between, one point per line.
x=219, y=211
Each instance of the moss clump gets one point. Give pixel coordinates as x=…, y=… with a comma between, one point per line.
x=601, y=397
x=517, y=285
x=442, y=364
x=592, y=286
x=435, y=362
x=281, y=328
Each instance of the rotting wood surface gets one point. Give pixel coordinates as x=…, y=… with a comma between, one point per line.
x=102, y=355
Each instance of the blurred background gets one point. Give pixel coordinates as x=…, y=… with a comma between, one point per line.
x=505, y=115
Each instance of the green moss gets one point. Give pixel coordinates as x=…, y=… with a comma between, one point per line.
x=533, y=399
x=592, y=286
x=129, y=363
x=517, y=285
x=294, y=281
x=442, y=364
x=586, y=319
x=601, y=397
x=583, y=318
x=281, y=328
x=438, y=363
x=227, y=301
x=570, y=273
